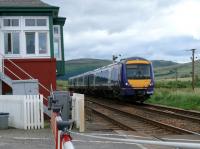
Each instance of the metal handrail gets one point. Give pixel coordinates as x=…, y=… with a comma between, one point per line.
x=13, y=73
x=19, y=77
x=23, y=72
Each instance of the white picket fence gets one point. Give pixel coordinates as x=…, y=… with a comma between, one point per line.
x=25, y=111
x=78, y=112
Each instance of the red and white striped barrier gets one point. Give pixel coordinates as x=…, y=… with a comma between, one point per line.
x=62, y=139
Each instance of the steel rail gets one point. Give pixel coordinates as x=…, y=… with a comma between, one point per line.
x=195, y=114
x=168, y=113
x=121, y=125
x=153, y=122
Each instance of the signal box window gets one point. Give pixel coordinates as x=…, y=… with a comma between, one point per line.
x=35, y=22
x=10, y=22
x=11, y=43
x=30, y=42
x=42, y=43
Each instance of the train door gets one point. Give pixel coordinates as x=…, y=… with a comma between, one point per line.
x=110, y=70
x=120, y=72
x=88, y=82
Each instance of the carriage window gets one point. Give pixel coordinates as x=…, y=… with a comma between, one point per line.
x=138, y=71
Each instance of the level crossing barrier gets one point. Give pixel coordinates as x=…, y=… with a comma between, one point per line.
x=60, y=105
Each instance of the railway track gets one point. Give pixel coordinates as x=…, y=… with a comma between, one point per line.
x=147, y=118
x=181, y=113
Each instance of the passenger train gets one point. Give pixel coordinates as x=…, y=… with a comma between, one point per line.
x=131, y=78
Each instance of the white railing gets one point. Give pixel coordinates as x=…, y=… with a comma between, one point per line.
x=78, y=112
x=25, y=111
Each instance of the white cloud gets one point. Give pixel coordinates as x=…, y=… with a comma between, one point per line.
x=185, y=18
x=154, y=29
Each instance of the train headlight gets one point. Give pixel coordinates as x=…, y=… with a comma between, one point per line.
x=151, y=84
x=126, y=84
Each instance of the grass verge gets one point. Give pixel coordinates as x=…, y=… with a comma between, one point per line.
x=62, y=85
x=181, y=98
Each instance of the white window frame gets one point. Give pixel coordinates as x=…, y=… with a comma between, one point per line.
x=10, y=27
x=57, y=36
x=22, y=29
x=27, y=54
x=37, y=44
x=47, y=43
x=36, y=27
x=11, y=54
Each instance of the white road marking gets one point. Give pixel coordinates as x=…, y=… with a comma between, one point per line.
x=108, y=142
x=124, y=135
x=189, y=140
x=119, y=135
x=3, y=144
x=23, y=138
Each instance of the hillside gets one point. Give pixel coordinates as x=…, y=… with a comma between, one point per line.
x=163, y=69
x=78, y=66
x=162, y=63
x=183, y=70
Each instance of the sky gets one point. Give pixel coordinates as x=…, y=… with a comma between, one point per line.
x=153, y=29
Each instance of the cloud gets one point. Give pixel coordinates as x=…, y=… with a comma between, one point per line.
x=154, y=29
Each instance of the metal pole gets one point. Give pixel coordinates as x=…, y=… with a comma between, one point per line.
x=176, y=74
x=193, y=52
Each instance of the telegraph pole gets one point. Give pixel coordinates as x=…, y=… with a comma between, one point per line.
x=176, y=71
x=193, y=61
x=115, y=57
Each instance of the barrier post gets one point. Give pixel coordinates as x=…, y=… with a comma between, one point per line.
x=81, y=113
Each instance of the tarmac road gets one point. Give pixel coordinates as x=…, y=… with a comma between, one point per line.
x=43, y=139
x=30, y=139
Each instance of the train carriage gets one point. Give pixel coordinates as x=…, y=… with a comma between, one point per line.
x=131, y=78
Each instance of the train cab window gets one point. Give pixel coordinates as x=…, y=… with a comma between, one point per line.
x=138, y=71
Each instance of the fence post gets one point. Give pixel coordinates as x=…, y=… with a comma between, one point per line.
x=81, y=113
x=41, y=111
x=25, y=112
x=78, y=112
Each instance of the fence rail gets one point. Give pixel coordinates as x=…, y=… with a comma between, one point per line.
x=25, y=111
